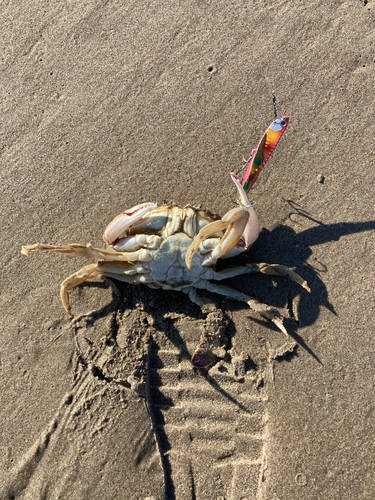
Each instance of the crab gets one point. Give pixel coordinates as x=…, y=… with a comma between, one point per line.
x=176, y=248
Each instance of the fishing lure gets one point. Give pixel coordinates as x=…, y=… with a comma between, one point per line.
x=263, y=151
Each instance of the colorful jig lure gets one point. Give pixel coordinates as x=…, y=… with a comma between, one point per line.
x=263, y=151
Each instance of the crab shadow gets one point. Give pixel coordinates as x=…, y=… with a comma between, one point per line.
x=285, y=246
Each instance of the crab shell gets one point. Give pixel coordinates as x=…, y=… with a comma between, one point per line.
x=172, y=247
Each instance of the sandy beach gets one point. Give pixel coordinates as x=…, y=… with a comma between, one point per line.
x=107, y=104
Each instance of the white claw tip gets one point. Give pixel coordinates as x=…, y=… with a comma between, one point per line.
x=279, y=323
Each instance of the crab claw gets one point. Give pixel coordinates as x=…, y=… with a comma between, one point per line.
x=233, y=223
x=241, y=225
x=251, y=231
x=123, y=221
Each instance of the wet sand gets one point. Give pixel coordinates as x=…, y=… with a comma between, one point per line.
x=105, y=105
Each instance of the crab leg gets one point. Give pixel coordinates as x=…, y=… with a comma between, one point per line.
x=279, y=270
x=134, y=280
x=193, y=296
x=92, y=270
x=88, y=251
x=268, y=312
x=270, y=269
x=123, y=271
x=87, y=272
x=114, y=270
